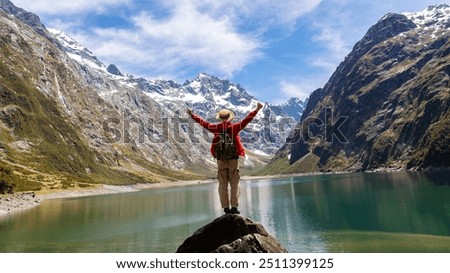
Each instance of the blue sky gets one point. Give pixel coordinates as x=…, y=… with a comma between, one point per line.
x=274, y=49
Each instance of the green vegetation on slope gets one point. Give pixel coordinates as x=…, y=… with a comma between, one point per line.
x=40, y=147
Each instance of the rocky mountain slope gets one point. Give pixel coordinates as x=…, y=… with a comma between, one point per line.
x=385, y=107
x=68, y=120
x=55, y=126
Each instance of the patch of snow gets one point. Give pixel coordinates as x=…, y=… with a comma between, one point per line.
x=434, y=16
x=259, y=152
x=194, y=98
x=84, y=61
x=195, y=85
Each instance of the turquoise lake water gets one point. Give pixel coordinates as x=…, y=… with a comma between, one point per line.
x=357, y=212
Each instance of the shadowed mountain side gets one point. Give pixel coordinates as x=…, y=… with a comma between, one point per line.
x=231, y=233
x=386, y=107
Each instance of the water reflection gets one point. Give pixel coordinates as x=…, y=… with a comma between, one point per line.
x=300, y=209
x=148, y=221
x=304, y=213
x=274, y=203
x=439, y=177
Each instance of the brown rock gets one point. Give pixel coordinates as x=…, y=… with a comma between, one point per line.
x=231, y=233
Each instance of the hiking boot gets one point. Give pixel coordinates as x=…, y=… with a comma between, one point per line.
x=226, y=210
x=234, y=210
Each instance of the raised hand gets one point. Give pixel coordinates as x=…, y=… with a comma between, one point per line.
x=259, y=106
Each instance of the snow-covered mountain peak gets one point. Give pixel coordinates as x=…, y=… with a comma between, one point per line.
x=203, y=83
x=434, y=16
x=68, y=41
x=77, y=51
x=205, y=94
x=204, y=75
x=291, y=101
x=294, y=107
x=224, y=92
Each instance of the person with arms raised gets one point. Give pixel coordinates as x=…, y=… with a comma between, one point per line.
x=227, y=147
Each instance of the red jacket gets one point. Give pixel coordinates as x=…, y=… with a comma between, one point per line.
x=234, y=129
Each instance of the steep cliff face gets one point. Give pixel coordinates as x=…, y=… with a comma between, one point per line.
x=386, y=106
x=55, y=128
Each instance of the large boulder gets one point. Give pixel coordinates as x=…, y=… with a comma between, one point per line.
x=231, y=233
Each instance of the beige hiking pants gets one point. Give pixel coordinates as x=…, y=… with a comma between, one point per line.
x=228, y=173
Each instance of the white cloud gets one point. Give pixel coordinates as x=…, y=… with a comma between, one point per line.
x=264, y=11
x=185, y=38
x=57, y=23
x=341, y=23
x=300, y=90
x=336, y=47
x=332, y=38
x=52, y=7
x=170, y=37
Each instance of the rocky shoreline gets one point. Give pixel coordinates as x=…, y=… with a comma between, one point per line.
x=13, y=202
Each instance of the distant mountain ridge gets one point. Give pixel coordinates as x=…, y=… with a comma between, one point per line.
x=393, y=90
x=206, y=94
x=291, y=107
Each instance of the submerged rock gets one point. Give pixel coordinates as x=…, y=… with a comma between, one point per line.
x=231, y=233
